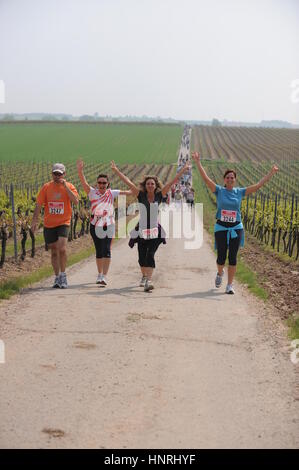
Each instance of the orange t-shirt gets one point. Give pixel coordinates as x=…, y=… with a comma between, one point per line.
x=54, y=197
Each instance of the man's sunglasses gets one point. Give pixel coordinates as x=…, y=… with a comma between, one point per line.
x=102, y=182
x=56, y=173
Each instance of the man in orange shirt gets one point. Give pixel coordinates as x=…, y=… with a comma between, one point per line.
x=56, y=196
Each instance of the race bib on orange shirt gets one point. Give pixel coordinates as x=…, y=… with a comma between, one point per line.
x=56, y=208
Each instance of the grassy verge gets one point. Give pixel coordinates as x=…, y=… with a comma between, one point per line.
x=293, y=324
x=13, y=286
x=249, y=277
x=244, y=274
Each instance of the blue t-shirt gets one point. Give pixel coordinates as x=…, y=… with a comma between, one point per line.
x=229, y=200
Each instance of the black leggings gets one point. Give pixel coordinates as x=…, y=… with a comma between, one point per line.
x=221, y=243
x=146, y=252
x=102, y=245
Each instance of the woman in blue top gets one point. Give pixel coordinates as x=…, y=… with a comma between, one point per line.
x=229, y=232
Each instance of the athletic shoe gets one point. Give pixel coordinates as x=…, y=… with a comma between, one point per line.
x=148, y=286
x=103, y=282
x=56, y=284
x=218, y=280
x=63, y=281
x=142, y=282
x=99, y=279
x=229, y=289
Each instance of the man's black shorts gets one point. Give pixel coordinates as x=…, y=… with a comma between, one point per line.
x=51, y=234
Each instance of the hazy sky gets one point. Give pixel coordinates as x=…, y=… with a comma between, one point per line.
x=188, y=59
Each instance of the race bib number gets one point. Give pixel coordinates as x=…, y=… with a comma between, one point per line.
x=150, y=233
x=56, y=208
x=228, y=216
x=103, y=217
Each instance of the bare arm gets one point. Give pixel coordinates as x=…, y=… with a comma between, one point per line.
x=125, y=179
x=80, y=166
x=168, y=185
x=211, y=185
x=35, y=217
x=253, y=188
x=126, y=193
x=73, y=198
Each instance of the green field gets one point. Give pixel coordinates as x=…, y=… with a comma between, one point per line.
x=97, y=142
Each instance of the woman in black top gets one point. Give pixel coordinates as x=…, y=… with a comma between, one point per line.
x=150, y=194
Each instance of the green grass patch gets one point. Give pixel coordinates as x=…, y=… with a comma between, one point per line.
x=248, y=277
x=124, y=143
x=293, y=324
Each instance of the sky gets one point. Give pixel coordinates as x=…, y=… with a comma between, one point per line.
x=184, y=59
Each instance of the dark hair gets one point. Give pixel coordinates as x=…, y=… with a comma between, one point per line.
x=104, y=175
x=149, y=177
x=230, y=171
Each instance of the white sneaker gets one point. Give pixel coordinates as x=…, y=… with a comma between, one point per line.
x=142, y=282
x=148, y=286
x=229, y=289
x=103, y=282
x=99, y=278
x=218, y=280
x=56, y=284
x=63, y=281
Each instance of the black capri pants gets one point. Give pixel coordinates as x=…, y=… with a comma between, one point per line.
x=146, y=252
x=222, y=247
x=102, y=245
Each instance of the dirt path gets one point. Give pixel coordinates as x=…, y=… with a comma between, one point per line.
x=185, y=366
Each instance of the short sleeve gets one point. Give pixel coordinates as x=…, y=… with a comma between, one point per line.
x=217, y=189
x=91, y=193
x=41, y=197
x=242, y=192
x=73, y=189
x=115, y=193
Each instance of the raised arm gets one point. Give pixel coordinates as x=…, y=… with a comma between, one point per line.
x=125, y=179
x=80, y=166
x=168, y=185
x=253, y=188
x=211, y=185
x=126, y=193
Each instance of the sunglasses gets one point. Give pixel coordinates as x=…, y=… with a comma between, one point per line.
x=102, y=182
x=56, y=173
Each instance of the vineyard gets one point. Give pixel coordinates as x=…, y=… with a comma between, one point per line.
x=27, y=155
x=246, y=144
